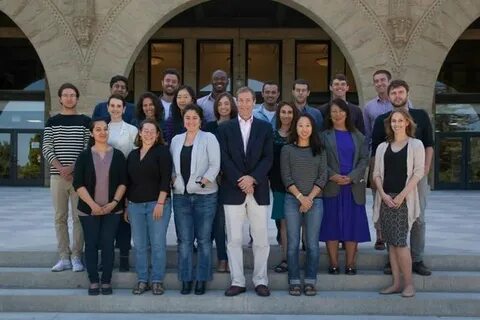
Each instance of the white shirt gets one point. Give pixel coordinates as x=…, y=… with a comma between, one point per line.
x=166, y=106
x=245, y=128
x=121, y=136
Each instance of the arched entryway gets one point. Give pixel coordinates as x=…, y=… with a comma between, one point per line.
x=22, y=108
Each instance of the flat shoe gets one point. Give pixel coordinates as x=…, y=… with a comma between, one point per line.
x=140, y=288
x=389, y=291
x=309, y=290
x=106, y=290
x=295, y=290
x=94, y=291
x=350, y=271
x=333, y=270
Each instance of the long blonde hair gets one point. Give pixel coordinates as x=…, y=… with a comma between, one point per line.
x=411, y=127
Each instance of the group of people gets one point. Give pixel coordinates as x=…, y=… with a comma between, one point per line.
x=218, y=160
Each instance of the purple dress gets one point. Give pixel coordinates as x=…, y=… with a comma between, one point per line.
x=343, y=219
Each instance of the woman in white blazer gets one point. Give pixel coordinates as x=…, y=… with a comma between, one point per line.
x=196, y=163
x=399, y=165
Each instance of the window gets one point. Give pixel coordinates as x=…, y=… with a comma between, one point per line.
x=312, y=64
x=263, y=64
x=164, y=55
x=213, y=55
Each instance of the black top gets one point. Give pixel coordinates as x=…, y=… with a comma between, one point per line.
x=395, y=170
x=424, y=131
x=149, y=176
x=355, y=114
x=84, y=176
x=276, y=183
x=185, y=163
x=211, y=127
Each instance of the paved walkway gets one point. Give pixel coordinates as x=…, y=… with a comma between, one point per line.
x=453, y=222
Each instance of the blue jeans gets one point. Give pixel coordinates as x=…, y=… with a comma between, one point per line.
x=313, y=220
x=194, y=215
x=145, y=230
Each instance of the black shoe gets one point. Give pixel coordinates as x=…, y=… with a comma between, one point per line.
x=350, y=271
x=200, y=287
x=94, y=291
x=421, y=269
x=186, y=287
x=333, y=270
x=106, y=290
x=124, y=264
x=387, y=269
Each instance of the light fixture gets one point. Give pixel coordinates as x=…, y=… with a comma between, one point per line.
x=155, y=61
x=323, y=62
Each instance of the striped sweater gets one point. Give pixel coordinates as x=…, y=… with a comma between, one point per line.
x=64, y=137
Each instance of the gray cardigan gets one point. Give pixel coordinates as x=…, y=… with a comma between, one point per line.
x=360, y=163
x=205, y=163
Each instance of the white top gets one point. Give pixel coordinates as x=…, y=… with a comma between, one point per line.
x=166, y=107
x=121, y=136
x=245, y=128
x=415, y=167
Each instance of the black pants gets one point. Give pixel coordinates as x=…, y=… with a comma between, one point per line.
x=123, y=237
x=99, y=233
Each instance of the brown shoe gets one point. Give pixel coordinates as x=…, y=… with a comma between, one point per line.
x=234, y=291
x=222, y=266
x=262, y=290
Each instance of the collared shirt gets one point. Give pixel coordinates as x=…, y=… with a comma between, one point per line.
x=372, y=110
x=245, y=128
x=166, y=107
x=261, y=113
x=315, y=113
x=206, y=103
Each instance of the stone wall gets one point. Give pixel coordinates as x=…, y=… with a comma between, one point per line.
x=86, y=41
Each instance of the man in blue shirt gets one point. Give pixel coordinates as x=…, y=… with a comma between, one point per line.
x=266, y=110
x=300, y=93
x=118, y=85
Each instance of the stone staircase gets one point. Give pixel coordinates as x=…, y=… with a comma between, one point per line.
x=28, y=285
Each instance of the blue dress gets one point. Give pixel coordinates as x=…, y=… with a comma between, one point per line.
x=343, y=219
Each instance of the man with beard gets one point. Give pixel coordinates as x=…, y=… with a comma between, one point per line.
x=398, y=95
x=339, y=88
x=170, y=83
x=266, y=110
x=219, y=85
x=300, y=93
x=118, y=85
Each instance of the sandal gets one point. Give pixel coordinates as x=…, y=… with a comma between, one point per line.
x=309, y=290
x=157, y=288
x=140, y=288
x=295, y=290
x=282, y=267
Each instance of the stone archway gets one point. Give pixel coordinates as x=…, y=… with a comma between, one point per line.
x=118, y=45
x=431, y=43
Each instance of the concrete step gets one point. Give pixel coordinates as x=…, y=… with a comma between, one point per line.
x=439, y=281
x=331, y=302
x=367, y=259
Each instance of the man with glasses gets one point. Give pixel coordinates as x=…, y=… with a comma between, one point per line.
x=118, y=85
x=65, y=136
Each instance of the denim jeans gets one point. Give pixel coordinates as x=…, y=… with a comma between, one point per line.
x=194, y=215
x=218, y=233
x=99, y=233
x=145, y=230
x=417, y=233
x=313, y=220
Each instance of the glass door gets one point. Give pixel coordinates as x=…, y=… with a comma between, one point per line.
x=21, y=161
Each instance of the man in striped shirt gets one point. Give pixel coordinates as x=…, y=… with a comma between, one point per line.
x=66, y=135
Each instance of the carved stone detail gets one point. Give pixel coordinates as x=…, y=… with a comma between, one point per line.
x=83, y=29
x=399, y=21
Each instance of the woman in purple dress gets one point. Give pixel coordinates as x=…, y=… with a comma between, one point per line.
x=345, y=218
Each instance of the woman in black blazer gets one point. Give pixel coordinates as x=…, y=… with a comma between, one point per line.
x=100, y=180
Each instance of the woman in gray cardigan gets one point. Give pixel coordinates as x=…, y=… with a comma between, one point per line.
x=196, y=163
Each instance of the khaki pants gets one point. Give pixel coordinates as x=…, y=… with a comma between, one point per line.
x=62, y=191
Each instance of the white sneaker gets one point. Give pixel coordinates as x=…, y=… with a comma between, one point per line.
x=77, y=265
x=62, y=264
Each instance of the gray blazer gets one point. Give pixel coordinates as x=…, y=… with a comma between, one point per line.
x=205, y=163
x=360, y=163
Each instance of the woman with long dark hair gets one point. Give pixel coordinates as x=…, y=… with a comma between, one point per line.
x=149, y=107
x=304, y=174
x=100, y=181
x=399, y=166
x=184, y=96
x=286, y=116
x=345, y=217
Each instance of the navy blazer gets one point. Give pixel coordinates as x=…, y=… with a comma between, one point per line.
x=256, y=162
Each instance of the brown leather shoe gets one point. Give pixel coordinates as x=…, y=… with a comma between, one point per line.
x=234, y=291
x=262, y=290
